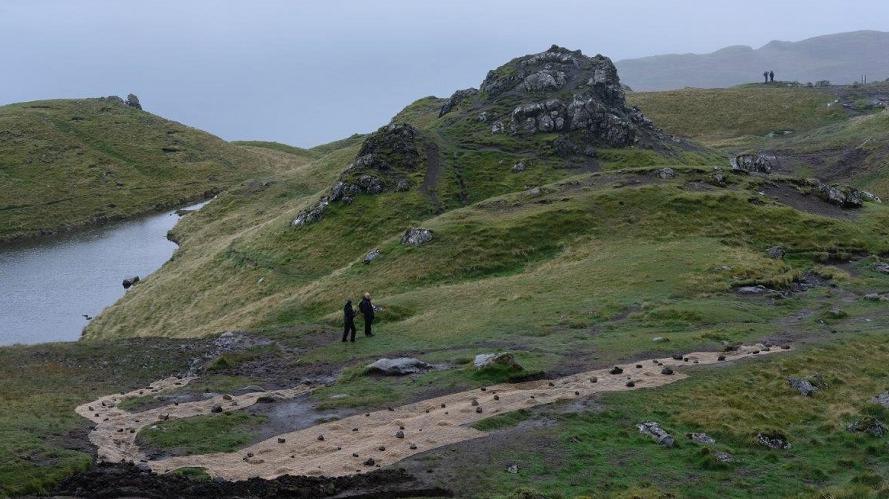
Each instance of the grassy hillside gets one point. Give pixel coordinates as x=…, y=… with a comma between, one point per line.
x=69, y=163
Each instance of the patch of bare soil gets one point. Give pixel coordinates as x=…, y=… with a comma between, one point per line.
x=789, y=196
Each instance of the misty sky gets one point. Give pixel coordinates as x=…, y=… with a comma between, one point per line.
x=308, y=72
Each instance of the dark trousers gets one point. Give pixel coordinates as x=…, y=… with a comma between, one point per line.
x=350, y=327
x=367, y=324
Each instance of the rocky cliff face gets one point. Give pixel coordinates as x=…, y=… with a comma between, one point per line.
x=562, y=91
x=385, y=163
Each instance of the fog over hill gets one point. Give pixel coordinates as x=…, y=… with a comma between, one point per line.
x=840, y=58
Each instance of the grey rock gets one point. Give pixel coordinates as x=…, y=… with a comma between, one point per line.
x=723, y=457
x=881, y=399
x=803, y=386
x=882, y=267
x=665, y=173
x=312, y=214
x=502, y=359
x=843, y=196
x=701, y=438
x=519, y=167
x=776, y=252
x=130, y=282
x=534, y=192
x=397, y=367
x=512, y=468
x=753, y=163
x=759, y=289
x=133, y=101
x=869, y=425
x=655, y=431
x=873, y=297
x=773, y=440
x=455, y=100
x=416, y=236
x=372, y=255
x=660, y=339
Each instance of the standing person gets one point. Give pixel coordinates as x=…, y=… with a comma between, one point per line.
x=772, y=76
x=765, y=76
x=367, y=310
x=349, y=321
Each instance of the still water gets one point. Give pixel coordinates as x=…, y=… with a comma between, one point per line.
x=49, y=285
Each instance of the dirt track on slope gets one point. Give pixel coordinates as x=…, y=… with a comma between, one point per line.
x=365, y=442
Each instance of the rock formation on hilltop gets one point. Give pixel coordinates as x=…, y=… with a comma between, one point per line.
x=561, y=91
x=385, y=163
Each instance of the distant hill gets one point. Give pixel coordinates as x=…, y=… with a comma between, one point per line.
x=65, y=164
x=840, y=58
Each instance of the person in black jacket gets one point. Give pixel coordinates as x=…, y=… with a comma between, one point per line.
x=367, y=310
x=349, y=320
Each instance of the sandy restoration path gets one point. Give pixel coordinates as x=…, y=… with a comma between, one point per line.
x=365, y=442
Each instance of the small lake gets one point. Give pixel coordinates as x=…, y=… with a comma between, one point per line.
x=48, y=285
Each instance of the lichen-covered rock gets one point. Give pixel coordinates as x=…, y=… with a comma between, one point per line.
x=803, y=386
x=701, y=438
x=776, y=252
x=397, y=367
x=772, y=440
x=312, y=214
x=881, y=399
x=519, y=167
x=416, y=236
x=844, y=196
x=869, y=425
x=372, y=255
x=655, y=431
x=665, y=173
x=491, y=360
x=455, y=100
x=753, y=163
x=133, y=101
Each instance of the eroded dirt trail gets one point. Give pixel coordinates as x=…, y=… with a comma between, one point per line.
x=367, y=441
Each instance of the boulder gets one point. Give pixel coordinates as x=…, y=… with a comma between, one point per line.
x=494, y=360
x=312, y=214
x=130, y=281
x=416, y=236
x=519, y=167
x=753, y=163
x=133, y=101
x=881, y=399
x=700, y=438
x=397, y=367
x=776, y=252
x=455, y=100
x=665, y=173
x=869, y=425
x=759, y=289
x=654, y=430
x=882, y=267
x=371, y=255
x=772, y=440
x=844, y=196
x=803, y=386
x=723, y=457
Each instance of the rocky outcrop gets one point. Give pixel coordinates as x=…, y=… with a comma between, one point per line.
x=564, y=91
x=133, y=101
x=372, y=255
x=654, y=430
x=844, y=196
x=753, y=163
x=384, y=163
x=869, y=425
x=416, y=236
x=130, y=282
x=803, y=386
x=455, y=100
x=772, y=440
x=397, y=367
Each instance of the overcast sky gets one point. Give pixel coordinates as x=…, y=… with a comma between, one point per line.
x=308, y=72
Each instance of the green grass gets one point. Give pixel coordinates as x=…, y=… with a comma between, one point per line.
x=69, y=163
x=224, y=432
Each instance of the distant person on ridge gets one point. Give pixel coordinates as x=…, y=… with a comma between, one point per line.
x=349, y=320
x=367, y=310
x=772, y=76
x=765, y=76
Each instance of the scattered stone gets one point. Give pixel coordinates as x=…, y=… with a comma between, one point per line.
x=216, y=409
x=226, y=397
x=776, y=252
x=371, y=255
x=282, y=440
x=399, y=434
x=266, y=399
x=519, y=167
x=474, y=402
x=496, y=397
x=413, y=447
x=677, y=356
x=753, y=163
x=321, y=438
x=655, y=431
x=130, y=282
x=773, y=440
x=631, y=384
x=381, y=448
x=881, y=399
x=512, y=468
x=354, y=454
x=720, y=357
x=490, y=360
x=397, y=367
x=478, y=409
x=616, y=370
x=869, y=425
x=594, y=380
x=667, y=371
x=701, y=438
x=416, y=236
x=665, y=173
x=370, y=462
